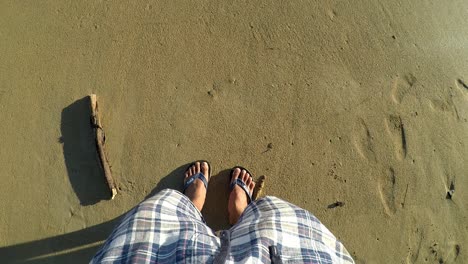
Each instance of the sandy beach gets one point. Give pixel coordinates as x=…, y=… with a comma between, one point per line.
x=356, y=111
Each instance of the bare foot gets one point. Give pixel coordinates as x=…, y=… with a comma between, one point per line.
x=196, y=192
x=238, y=199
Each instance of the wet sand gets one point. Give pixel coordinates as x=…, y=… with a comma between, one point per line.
x=356, y=111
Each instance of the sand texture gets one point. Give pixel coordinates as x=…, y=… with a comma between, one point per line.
x=354, y=110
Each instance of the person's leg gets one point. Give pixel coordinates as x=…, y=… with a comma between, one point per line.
x=196, y=192
x=296, y=234
x=238, y=199
x=166, y=228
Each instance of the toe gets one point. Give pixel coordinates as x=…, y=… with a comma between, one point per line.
x=197, y=167
x=243, y=174
x=205, y=169
x=245, y=177
x=236, y=174
x=251, y=186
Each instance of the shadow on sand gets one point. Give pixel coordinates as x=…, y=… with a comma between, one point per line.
x=80, y=246
x=74, y=247
x=215, y=208
x=88, y=182
x=80, y=153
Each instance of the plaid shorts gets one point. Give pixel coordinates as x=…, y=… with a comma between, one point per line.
x=168, y=228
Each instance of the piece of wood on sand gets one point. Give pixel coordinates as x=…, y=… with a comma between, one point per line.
x=100, y=142
x=259, y=186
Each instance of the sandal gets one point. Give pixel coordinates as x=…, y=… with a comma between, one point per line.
x=241, y=183
x=199, y=175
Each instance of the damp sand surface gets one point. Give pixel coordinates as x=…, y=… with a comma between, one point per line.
x=357, y=112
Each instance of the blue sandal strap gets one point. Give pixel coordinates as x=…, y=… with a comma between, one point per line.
x=243, y=186
x=200, y=176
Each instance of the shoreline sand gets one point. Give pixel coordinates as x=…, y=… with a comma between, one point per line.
x=363, y=103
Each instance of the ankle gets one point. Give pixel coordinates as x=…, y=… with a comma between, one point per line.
x=198, y=204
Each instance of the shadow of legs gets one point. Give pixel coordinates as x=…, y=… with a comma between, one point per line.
x=215, y=208
x=38, y=251
x=216, y=204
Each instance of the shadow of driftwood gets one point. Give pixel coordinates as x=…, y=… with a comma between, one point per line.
x=79, y=149
x=80, y=246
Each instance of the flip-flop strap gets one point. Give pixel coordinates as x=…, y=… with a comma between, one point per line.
x=243, y=186
x=200, y=176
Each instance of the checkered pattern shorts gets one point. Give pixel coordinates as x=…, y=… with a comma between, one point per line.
x=168, y=228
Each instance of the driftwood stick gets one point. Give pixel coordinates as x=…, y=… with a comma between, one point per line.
x=259, y=186
x=100, y=142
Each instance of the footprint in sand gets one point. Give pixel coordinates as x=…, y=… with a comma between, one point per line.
x=396, y=130
x=440, y=105
x=451, y=101
x=387, y=186
x=445, y=252
x=363, y=141
x=401, y=87
x=414, y=243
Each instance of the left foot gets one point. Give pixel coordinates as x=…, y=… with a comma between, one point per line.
x=196, y=192
x=238, y=199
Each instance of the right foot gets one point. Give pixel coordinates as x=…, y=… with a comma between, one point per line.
x=238, y=199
